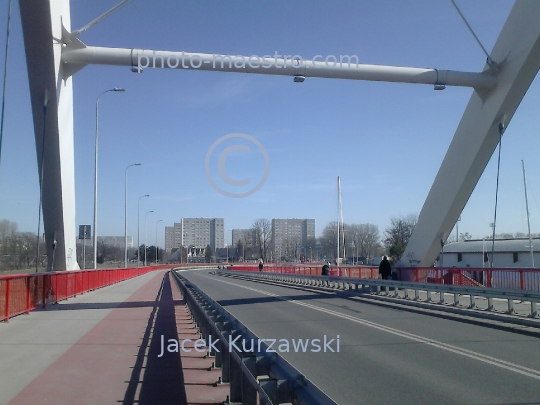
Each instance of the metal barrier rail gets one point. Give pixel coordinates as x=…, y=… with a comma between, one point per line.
x=255, y=378
x=22, y=293
x=505, y=278
x=342, y=271
x=365, y=285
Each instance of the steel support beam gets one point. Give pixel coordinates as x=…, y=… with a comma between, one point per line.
x=498, y=92
x=52, y=108
x=77, y=55
x=517, y=52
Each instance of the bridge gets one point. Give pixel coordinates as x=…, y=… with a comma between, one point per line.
x=175, y=335
x=284, y=335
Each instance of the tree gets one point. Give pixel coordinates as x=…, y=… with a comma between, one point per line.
x=8, y=229
x=364, y=238
x=208, y=254
x=328, y=240
x=398, y=234
x=465, y=236
x=17, y=249
x=263, y=235
x=240, y=250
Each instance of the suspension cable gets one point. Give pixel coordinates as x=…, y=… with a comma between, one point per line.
x=489, y=60
x=501, y=130
x=5, y=78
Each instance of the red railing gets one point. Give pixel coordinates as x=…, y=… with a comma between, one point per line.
x=358, y=272
x=21, y=293
x=505, y=278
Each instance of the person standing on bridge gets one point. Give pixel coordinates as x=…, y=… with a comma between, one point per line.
x=385, y=269
x=325, y=269
x=261, y=264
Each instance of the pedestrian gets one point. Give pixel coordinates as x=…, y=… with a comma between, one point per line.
x=385, y=268
x=325, y=269
x=261, y=264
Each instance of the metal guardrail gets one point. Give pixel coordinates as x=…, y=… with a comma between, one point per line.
x=255, y=378
x=506, y=278
x=22, y=293
x=385, y=286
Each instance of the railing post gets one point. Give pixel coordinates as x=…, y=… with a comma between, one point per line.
x=510, y=306
x=44, y=291
x=521, y=279
x=235, y=380
x=534, y=311
x=249, y=393
x=28, y=278
x=8, y=294
x=473, y=303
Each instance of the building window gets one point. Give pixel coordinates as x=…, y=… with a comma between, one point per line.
x=460, y=257
x=486, y=258
x=515, y=256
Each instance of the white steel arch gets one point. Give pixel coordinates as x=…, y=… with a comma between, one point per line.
x=54, y=55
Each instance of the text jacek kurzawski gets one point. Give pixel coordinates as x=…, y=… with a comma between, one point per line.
x=241, y=345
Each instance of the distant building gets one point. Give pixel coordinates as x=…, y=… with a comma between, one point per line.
x=245, y=236
x=114, y=241
x=196, y=232
x=289, y=236
x=170, y=241
x=508, y=253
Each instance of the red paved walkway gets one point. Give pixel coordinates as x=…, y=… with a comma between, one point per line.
x=117, y=360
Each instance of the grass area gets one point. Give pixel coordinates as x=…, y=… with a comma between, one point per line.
x=20, y=271
x=107, y=265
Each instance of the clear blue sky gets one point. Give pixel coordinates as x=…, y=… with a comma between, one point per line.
x=385, y=140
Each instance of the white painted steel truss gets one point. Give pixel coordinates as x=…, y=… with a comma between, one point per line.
x=54, y=54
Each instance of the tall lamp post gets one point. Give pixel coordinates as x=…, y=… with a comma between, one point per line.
x=139, y=228
x=96, y=171
x=146, y=235
x=155, y=247
x=125, y=215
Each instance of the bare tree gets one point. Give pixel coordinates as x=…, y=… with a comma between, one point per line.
x=8, y=229
x=398, y=234
x=263, y=235
x=328, y=240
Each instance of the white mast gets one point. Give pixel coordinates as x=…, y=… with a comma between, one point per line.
x=340, y=224
x=337, y=234
x=528, y=219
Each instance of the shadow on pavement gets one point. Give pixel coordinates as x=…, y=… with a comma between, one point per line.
x=161, y=381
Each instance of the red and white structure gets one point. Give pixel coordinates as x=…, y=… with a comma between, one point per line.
x=55, y=54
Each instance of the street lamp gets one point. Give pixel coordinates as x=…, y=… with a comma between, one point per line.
x=125, y=215
x=96, y=172
x=155, y=247
x=139, y=227
x=145, y=236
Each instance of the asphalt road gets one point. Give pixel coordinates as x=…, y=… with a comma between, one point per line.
x=386, y=356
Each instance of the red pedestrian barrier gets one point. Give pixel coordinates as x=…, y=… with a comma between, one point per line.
x=504, y=278
x=21, y=293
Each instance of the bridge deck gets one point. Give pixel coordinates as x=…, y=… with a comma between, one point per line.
x=103, y=347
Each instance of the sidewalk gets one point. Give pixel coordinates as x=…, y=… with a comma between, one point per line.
x=98, y=348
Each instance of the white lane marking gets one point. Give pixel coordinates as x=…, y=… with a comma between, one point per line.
x=454, y=349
